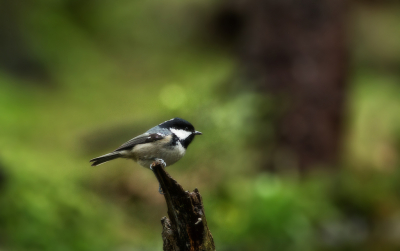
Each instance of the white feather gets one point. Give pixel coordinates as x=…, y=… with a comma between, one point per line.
x=181, y=134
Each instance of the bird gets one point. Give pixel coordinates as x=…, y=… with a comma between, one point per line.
x=166, y=142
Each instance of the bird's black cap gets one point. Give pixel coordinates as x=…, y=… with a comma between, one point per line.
x=177, y=123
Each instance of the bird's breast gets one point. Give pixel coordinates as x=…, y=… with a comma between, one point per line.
x=163, y=149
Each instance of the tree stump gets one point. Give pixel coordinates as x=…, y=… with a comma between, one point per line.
x=186, y=228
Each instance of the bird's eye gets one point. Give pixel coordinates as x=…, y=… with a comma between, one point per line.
x=186, y=128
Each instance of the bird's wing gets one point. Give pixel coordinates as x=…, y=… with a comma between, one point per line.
x=141, y=139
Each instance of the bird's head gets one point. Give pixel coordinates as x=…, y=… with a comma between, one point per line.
x=182, y=129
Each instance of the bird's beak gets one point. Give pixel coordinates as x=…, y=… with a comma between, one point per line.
x=197, y=133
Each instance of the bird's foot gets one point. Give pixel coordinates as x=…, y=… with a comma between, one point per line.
x=162, y=162
x=160, y=190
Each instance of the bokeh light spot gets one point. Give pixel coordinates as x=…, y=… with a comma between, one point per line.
x=173, y=96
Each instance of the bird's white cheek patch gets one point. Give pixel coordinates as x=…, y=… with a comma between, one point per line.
x=182, y=134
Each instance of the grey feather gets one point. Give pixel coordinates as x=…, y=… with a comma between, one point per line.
x=104, y=158
x=141, y=139
x=158, y=129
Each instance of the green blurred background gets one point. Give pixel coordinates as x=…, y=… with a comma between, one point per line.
x=79, y=78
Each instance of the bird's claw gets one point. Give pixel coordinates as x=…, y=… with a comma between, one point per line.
x=162, y=162
x=160, y=190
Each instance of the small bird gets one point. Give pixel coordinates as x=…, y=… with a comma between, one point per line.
x=166, y=142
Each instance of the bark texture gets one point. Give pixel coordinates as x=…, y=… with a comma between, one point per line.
x=186, y=228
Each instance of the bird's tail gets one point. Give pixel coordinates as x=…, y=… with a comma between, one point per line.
x=104, y=158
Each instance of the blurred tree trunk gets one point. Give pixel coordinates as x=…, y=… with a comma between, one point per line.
x=296, y=50
x=16, y=58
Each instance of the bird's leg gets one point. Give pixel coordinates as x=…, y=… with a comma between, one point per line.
x=163, y=164
x=160, y=189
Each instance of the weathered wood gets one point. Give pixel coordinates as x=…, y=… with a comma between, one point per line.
x=186, y=228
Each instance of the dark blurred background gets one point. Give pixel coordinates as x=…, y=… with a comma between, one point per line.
x=298, y=102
